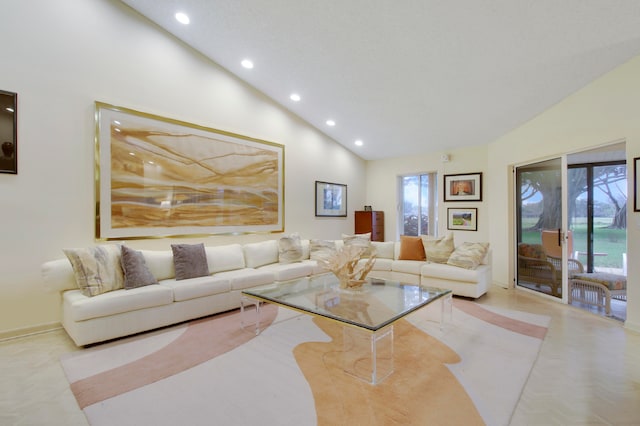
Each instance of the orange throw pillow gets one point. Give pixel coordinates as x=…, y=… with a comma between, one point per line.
x=411, y=248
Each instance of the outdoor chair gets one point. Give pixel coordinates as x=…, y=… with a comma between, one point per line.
x=535, y=266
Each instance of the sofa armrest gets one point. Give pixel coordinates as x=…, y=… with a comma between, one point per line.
x=58, y=275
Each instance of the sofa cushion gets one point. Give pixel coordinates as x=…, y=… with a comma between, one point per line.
x=160, y=263
x=438, y=250
x=81, y=307
x=380, y=264
x=288, y=271
x=197, y=287
x=452, y=273
x=384, y=249
x=225, y=258
x=97, y=269
x=290, y=249
x=407, y=266
x=316, y=268
x=262, y=253
x=189, y=260
x=468, y=255
x=136, y=273
x=240, y=279
x=411, y=248
x=534, y=251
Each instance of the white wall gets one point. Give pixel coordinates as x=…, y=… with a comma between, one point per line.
x=382, y=187
x=605, y=111
x=62, y=56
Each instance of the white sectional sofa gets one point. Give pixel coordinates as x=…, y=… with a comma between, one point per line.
x=232, y=268
x=462, y=282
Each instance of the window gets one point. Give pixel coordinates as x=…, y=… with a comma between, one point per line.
x=418, y=204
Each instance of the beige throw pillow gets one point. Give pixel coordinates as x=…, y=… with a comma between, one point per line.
x=359, y=240
x=468, y=255
x=321, y=249
x=290, y=249
x=97, y=269
x=438, y=250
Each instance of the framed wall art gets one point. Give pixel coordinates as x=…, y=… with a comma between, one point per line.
x=331, y=199
x=159, y=177
x=463, y=187
x=636, y=185
x=462, y=219
x=8, y=132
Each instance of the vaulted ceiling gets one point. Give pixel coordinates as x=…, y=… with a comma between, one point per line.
x=410, y=77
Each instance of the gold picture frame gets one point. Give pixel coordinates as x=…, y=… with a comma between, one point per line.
x=160, y=177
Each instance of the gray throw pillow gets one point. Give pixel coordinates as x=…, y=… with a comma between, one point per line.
x=136, y=272
x=189, y=260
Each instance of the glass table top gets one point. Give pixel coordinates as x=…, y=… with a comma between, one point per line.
x=377, y=304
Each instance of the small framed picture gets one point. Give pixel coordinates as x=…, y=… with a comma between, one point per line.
x=636, y=185
x=331, y=199
x=8, y=132
x=463, y=219
x=463, y=187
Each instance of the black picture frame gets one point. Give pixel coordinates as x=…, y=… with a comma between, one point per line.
x=8, y=132
x=636, y=185
x=331, y=199
x=462, y=219
x=463, y=187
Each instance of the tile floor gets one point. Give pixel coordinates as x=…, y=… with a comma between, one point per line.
x=587, y=372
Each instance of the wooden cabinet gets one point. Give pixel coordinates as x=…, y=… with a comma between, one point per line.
x=370, y=222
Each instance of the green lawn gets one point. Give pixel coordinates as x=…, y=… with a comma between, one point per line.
x=613, y=242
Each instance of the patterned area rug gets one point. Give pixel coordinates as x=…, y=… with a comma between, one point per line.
x=211, y=371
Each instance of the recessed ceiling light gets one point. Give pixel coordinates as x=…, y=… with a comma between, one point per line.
x=247, y=63
x=10, y=109
x=295, y=97
x=359, y=142
x=331, y=123
x=182, y=18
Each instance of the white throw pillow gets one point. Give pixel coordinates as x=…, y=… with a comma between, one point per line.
x=438, y=250
x=468, y=255
x=290, y=249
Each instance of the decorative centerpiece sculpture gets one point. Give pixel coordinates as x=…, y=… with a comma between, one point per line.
x=345, y=264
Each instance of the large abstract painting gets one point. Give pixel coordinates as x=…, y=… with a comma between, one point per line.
x=161, y=177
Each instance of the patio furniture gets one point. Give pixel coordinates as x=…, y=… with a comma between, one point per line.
x=535, y=266
x=597, y=289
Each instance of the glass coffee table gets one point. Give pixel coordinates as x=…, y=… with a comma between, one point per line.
x=367, y=314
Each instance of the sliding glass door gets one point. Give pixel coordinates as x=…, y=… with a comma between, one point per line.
x=540, y=230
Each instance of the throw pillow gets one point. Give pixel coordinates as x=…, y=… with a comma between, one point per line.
x=534, y=251
x=411, y=248
x=438, y=250
x=136, y=272
x=468, y=255
x=189, y=260
x=290, y=249
x=321, y=249
x=97, y=269
x=359, y=240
